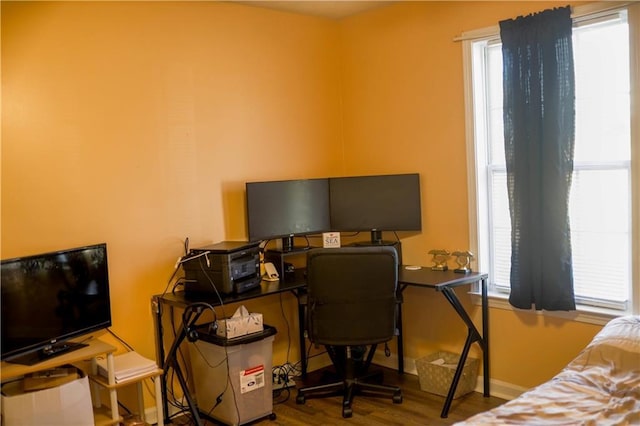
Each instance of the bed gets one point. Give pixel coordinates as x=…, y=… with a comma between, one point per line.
x=601, y=386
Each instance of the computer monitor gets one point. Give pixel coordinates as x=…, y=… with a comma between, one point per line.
x=286, y=209
x=376, y=203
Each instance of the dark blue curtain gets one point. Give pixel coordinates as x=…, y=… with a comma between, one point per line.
x=539, y=118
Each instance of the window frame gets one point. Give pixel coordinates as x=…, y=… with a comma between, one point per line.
x=478, y=220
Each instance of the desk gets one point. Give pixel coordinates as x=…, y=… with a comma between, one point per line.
x=440, y=281
x=445, y=282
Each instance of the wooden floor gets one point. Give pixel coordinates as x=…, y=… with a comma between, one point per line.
x=418, y=407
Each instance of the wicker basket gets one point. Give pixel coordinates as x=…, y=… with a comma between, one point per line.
x=437, y=378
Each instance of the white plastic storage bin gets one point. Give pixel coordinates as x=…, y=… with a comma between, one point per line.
x=66, y=404
x=250, y=382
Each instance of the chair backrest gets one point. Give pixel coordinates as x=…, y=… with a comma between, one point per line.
x=352, y=296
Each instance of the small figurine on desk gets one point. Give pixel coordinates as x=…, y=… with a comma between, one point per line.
x=463, y=259
x=439, y=260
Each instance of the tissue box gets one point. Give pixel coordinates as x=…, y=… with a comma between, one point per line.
x=239, y=324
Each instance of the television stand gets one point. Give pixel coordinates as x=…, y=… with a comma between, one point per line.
x=85, y=357
x=47, y=353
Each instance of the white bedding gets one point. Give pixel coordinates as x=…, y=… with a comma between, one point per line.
x=601, y=386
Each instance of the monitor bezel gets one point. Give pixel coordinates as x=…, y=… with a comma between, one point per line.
x=288, y=231
x=46, y=345
x=359, y=187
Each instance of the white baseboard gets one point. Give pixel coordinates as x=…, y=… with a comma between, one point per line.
x=151, y=416
x=501, y=389
x=498, y=388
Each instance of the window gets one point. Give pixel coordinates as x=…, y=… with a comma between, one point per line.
x=602, y=186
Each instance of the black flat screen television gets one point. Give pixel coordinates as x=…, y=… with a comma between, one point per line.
x=286, y=209
x=376, y=203
x=50, y=298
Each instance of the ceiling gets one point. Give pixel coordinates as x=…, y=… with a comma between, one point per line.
x=326, y=9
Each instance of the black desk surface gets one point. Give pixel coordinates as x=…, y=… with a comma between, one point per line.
x=425, y=277
x=266, y=288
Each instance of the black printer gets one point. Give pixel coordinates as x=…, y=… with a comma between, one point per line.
x=228, y=267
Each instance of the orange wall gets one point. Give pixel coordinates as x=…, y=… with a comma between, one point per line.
x=138, y=123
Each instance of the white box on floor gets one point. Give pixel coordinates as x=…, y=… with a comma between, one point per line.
x=67, y=404
x=249, y=361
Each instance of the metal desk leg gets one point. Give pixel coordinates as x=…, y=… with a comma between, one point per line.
x=156, y=305
x=485, y=338
x=301, y=333
x=472, y=336
x=400, y=340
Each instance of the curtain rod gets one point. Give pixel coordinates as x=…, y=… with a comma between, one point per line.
x=578, y=14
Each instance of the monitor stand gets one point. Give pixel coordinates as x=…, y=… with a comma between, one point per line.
x=288, y=246
x=376, y=240
x=46, y=353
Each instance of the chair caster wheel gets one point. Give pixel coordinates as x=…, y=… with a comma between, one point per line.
x=397, y=399
x=272, y=416
x=300, y=399
x=347, y=412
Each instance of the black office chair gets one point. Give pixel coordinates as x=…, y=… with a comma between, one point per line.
x=352, y=307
